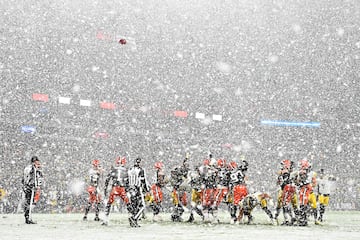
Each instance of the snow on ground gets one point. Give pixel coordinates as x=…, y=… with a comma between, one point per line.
x=343, y=225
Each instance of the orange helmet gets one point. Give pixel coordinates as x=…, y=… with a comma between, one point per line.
x=304, y=164
x=232, y=165
x=206, y=162
x=221, y=163
x=120, y=161
x=286, y=163
x=95, y=163
x=159, y=165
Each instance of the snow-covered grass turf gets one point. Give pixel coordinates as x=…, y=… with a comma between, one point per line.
x=343, y=225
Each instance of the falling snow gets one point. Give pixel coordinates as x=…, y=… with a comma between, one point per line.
x=194, y=77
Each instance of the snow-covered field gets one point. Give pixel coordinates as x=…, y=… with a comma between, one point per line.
x=343, y=225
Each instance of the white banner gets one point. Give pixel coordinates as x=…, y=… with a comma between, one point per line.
x=200, y=115
x=64, y=100
x=217, y=117
x=86, y=103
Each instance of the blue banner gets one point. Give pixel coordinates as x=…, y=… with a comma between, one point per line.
x=28, y=129
x=290, y=124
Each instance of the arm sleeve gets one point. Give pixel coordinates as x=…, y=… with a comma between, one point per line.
x=107, y=180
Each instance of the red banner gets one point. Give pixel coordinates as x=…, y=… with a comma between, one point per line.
x=107, y=105
x=102, y=135
x=40, y=97
x=182, y=114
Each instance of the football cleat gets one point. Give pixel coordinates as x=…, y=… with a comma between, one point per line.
x=29, y=221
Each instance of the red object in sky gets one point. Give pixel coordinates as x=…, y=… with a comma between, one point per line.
x=107, y=105
x=182, y=114
x=122, y=41
x=40, y=97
